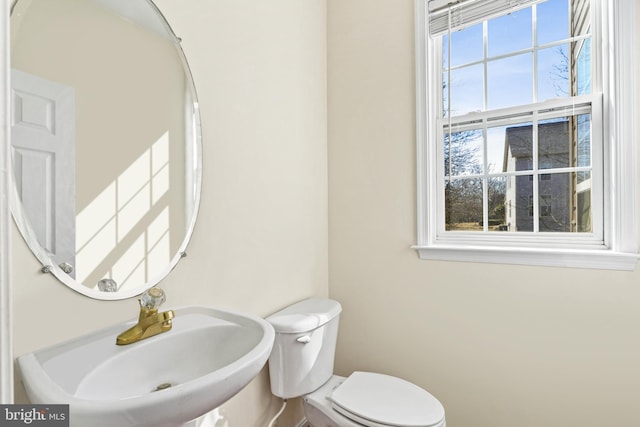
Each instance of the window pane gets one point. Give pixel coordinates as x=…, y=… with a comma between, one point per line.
x=565, y=202
x=518, y=203
x=466, y=46
x=583, y=202
x=463, y=204
x=509, y=33
x=553, y=21
x=510, y=82
x=555, y=69
x=463, y=156
x=555, y=202
x=553, y=72
x=554, y=143
x=583, y=66
x=519, y=147
x=583, y=131
x=496, y=193
x=467, y=90
x=445, y=52
x=558, y=76
x=495, y=149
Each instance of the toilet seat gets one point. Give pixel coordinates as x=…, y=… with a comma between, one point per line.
x=377, y=400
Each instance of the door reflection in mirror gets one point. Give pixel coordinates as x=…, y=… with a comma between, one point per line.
x=135, y=133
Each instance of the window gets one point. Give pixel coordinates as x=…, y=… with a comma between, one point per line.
x=526, y=150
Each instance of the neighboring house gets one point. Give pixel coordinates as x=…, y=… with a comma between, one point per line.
x=564, y=198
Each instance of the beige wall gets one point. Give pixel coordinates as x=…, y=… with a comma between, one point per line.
x=261, y=239
x=500, y=346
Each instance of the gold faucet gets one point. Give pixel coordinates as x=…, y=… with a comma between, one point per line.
x=150, y=322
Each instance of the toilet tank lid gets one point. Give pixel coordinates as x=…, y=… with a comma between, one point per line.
x=305, y=316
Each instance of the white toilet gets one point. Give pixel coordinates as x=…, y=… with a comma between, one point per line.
x=301, y=364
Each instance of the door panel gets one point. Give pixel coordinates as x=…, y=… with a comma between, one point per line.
x=43, y=150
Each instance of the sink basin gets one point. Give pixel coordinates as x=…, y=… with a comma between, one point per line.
x=162, y=381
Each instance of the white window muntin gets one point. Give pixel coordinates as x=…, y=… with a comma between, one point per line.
x=502, y=7
x=575, y=39
x=588, y=104
x=536, y=112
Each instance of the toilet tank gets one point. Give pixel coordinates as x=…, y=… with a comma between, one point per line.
x=304, y=349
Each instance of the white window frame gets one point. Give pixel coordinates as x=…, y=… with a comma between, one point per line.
x=618, y=248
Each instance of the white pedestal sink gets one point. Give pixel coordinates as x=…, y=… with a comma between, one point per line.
x=162, y=381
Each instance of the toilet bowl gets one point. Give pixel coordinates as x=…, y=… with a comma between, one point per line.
x=301, y=365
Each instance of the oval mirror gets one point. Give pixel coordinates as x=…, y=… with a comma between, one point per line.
x=105, y=142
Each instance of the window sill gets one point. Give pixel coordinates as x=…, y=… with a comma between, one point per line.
x=595, y=259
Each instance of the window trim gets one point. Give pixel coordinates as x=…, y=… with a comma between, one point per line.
x=620, y=247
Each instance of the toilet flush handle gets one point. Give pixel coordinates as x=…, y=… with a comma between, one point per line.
x=305, y=339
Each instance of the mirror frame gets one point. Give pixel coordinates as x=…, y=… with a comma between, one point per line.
x=22, y=222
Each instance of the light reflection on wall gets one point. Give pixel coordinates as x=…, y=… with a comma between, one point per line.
x=123, y=234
